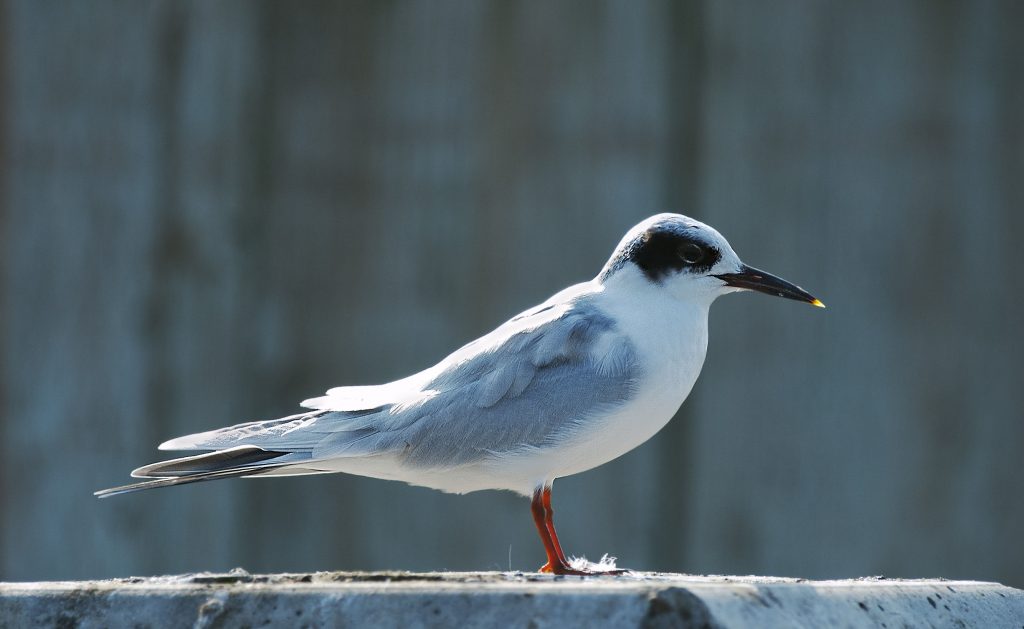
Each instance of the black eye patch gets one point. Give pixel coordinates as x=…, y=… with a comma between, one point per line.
x=663, y=252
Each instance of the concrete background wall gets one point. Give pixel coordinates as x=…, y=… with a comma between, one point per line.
x=212, y=210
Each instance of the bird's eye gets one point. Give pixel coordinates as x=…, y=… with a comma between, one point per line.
x=691, y=253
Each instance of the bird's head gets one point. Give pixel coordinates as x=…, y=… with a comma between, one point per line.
x=692, y=261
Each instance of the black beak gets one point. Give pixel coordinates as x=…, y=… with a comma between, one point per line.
x=755, y=279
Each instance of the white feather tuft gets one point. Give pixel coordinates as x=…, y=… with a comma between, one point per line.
x=606, y=564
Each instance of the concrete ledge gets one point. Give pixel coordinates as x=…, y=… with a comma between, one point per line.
x=489, y=599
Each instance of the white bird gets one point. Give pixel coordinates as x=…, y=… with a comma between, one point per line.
x=568, y=385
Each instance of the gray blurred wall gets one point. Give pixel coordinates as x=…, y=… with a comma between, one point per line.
x=212, y=210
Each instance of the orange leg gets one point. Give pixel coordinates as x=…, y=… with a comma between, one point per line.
x=543, y=518
x=540, y=518
x=549, y=521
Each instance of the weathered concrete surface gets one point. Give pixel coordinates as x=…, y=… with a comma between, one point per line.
x=398, y=599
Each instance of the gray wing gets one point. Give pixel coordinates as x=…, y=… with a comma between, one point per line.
x=526, y=390
x=527, y=384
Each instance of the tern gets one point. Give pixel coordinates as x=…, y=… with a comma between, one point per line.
x=564, y=387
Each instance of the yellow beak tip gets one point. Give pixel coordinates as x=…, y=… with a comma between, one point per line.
x=817, y=302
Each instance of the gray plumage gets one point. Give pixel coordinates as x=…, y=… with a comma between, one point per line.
x=530, y=390
x=528, y=385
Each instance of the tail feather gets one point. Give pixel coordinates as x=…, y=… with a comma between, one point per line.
x=184, y=480
x=232, y=463
x=220, y=460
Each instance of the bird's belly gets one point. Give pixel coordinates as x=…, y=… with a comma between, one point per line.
x=621, y=431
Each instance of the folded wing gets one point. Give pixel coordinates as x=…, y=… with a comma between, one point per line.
x=526, y=385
